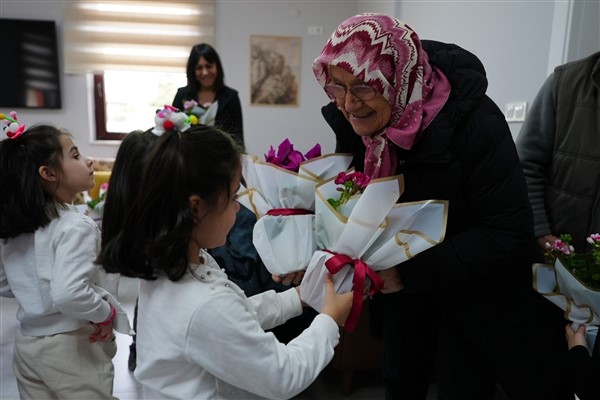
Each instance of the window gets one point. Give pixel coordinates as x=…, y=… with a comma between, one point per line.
x=127, y=100
x=137, y=51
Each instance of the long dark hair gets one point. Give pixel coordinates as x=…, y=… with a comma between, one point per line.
x=210, y=54
x=125, y=180
x=156, y=232
x=24, y=204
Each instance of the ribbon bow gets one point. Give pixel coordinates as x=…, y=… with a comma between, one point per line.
x=361, y=272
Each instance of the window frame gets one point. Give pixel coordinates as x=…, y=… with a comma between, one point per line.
x=100, y=111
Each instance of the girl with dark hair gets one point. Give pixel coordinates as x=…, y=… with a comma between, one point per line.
x=199, y=336
x=206, y=86
x=65, y=343
x=124, y=183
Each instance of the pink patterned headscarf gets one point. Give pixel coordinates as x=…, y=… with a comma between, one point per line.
x=386, y=54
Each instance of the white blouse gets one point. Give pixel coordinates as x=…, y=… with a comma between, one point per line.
x=202, y=338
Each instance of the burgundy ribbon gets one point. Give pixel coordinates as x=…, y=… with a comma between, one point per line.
x=289, y=211
x=361, y=272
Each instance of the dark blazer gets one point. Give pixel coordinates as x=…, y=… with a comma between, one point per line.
x=229, y=114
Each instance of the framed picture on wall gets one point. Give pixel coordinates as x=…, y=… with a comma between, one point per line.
x=274, y=70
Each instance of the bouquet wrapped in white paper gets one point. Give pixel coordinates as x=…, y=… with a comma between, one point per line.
x=368, y=233
x=572, y=282
x=283, y=202
x=556, y=283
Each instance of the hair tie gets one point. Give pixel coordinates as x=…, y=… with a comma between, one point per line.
x=11, y=126
x=168, y=119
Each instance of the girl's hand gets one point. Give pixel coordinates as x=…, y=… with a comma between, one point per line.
x=102, y=333
x=337, y=306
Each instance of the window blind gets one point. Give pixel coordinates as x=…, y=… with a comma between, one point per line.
x=134, y=35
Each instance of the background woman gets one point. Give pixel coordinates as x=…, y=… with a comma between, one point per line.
x=464, y=308
x=206, y=85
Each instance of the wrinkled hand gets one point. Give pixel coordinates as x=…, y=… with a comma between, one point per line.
x=575, y=338
x=288, y=279
x=391, y=280
x=337, y=306
x=102, y=333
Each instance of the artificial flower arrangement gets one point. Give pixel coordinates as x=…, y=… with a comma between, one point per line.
x=203, y=114
x=360, y=229
x=12, y=128
x=281, y=192
x=571, y=280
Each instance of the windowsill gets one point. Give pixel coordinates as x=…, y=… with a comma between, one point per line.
x=95, y=142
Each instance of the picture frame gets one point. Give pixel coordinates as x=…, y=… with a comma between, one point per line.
x=275, y=70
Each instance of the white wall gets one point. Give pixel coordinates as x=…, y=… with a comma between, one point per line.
x=510, y=38
x=269, y=125
x=515, y=41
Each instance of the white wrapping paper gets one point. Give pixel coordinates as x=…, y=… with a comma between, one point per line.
x=580, y=303
x=370, y=227
x=286, y=243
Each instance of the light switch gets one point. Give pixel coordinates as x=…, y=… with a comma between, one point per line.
x=315, y=30
x=515, y=111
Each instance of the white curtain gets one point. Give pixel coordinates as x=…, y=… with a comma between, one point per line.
x=134, y=35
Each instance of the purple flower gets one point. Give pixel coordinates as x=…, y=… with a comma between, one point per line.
x=288, y=158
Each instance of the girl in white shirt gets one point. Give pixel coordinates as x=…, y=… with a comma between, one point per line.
x=199, y=336
x=65, y=343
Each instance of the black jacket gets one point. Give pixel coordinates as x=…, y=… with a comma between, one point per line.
x=229, y=113
x=480, y=274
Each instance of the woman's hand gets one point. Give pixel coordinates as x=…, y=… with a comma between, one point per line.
x=542, y=240
x=575, y=338
x=391, y=280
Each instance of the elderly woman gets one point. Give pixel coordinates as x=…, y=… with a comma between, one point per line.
x=464, y=309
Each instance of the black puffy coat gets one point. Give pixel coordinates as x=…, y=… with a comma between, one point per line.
x=480, y=275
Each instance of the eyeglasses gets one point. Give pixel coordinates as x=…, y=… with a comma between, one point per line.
x=362, y=92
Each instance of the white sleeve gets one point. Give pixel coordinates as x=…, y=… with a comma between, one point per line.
x=5, y=290
x=235, y=349
x=75, y=247
x=273, y=309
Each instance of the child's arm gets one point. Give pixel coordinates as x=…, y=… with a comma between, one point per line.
x=75, y=246
x=225, y=339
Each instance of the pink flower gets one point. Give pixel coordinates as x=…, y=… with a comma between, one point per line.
x=351, y=184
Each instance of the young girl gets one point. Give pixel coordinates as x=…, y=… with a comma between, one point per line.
x=124, y=184
x=47, y=248
x=199, y=336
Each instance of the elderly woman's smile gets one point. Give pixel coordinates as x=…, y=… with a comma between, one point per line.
x=367, y=116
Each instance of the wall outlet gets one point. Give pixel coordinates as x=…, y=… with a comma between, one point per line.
x=515, y=111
